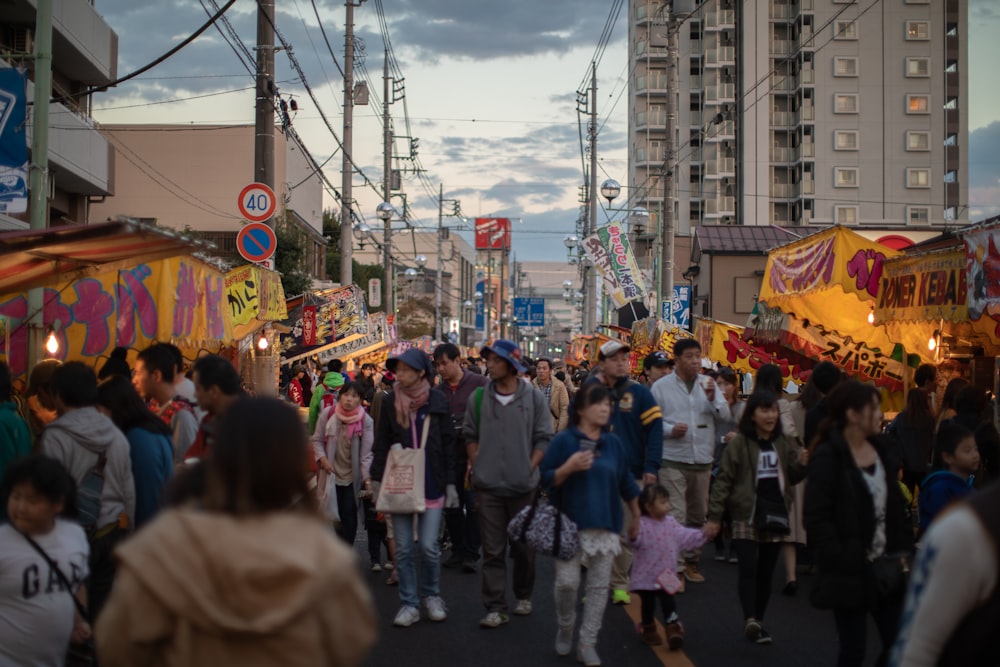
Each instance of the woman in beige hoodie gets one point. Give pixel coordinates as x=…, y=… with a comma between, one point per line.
x=246, y=575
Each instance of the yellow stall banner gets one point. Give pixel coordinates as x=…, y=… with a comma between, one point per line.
x=180, y=299
x=924, y=288
x=729, y=347
x=254, y=293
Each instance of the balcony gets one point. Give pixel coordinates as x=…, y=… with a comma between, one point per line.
x=720, y=205
x=81, y=157
x=784, y=190
x=807, y=113
x=718, y=131
x=805, y=40
x=808, y=76
x=782, y=47
x=720, y=55
x=784, y=82
x=720, y=18
x=644, y=157
x=721, y=91
x=695, y=119
x=645, y=119
x=694, y=190
x=808, y=187
x=783, y=119
x=782, y=11
x=696, y=81
x=807, y=150
x=805, y=5
x=651, y=85
x=647, y=12
x=783, y=154
x=696, y=156
x=645, y=50
x=84, y=47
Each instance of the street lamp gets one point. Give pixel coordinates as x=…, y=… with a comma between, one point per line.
x=385, y=212
x=610, y=189
x=421, y=261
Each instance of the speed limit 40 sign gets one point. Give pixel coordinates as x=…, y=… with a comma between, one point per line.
x=257, y=202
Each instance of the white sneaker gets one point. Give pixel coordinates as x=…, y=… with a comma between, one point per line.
x=522, y=607
x=436, y=611
x=406, y=616
x=494, y=619
x=564, y=640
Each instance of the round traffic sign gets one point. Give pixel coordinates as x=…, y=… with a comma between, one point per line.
x=256, y=242
x=256, y=202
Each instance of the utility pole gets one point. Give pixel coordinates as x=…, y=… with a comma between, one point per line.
x=39, y=167
x=263, y=147
x=590, y=290
x=387, y=279
x=437, y=280
x=670, y=166
x=347, y=170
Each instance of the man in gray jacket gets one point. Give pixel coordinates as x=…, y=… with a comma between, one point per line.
x=79, y=438
x=507, y=430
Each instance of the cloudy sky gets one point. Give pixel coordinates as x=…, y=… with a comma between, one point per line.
x=490, y=92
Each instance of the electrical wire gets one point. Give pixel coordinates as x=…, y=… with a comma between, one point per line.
x=145, y=68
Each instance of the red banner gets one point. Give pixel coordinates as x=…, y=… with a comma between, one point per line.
x=492, y=233
x=308, y=325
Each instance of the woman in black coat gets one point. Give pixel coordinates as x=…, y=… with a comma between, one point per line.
x=413, y=408
x=856, y=521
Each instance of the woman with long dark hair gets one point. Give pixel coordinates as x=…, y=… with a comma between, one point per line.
x=247, y=574
x=758, y=468
x=856, y=522
x=150, y=443
x=911, y=435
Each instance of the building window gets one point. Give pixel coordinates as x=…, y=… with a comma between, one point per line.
x=918, y=141
x=918, y=30
x=918, y=67
x=845, y=30
x=845, y=66
x=845, y=140
x=846, y=103
x=845, y=215
x=918, y=178
x=918, y=215
x=845, y=177
x=918, y=104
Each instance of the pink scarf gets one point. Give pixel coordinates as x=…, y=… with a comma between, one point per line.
x=353, y=420
x=408, y=401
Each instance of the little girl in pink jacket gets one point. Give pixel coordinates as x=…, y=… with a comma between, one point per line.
x=655, y=551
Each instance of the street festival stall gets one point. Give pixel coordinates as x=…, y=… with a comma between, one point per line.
x=332, y=323
x=818, y=297
x=106, y=285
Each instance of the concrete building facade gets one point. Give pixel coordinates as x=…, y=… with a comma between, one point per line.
x=802, y=112
x=189, y=178
x=81, y=160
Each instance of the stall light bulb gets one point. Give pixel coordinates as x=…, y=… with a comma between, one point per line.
x=52, y=343
x=871, y=317
x=932, y=343
x=262, y=343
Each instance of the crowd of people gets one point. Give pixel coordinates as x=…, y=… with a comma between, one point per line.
x=157, y=518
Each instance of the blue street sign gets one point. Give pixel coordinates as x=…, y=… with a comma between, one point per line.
x=480, y=304
x=529, y=311
x=679, y=310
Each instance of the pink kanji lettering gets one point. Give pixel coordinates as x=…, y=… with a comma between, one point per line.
x=92, y=307
x=134, y=300
x=213, y=308
x=187, y=301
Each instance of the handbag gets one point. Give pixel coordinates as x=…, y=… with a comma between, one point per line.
x=77, y=655
x=544, y=528
x=891, y=574
x=669, y=582
x=402, y=490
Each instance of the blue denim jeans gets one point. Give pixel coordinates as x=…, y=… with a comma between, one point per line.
x=428, y=529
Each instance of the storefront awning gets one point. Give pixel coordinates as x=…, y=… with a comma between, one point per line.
x=34, y=258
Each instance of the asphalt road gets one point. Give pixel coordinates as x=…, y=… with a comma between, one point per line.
x=710, y=612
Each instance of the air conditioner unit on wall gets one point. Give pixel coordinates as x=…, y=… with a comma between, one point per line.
x=21, y=39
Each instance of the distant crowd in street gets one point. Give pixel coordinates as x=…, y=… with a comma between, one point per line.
x=154, y=516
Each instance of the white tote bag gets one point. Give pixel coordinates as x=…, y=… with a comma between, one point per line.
x=402, y=490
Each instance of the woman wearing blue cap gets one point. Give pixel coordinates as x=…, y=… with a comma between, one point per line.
x=401, y=424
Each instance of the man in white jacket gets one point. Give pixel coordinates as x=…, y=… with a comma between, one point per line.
x=692, y=408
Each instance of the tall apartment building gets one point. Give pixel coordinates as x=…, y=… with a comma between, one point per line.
x=84, y=55
x=802, y=112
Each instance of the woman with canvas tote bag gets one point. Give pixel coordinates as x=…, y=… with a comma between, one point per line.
x=415, y=418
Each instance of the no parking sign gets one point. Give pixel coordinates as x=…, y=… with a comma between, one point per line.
x=256, y=242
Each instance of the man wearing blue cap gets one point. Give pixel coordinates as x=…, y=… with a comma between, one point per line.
x=507, y=428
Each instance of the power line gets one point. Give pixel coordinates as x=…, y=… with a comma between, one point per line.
x=145, y=68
